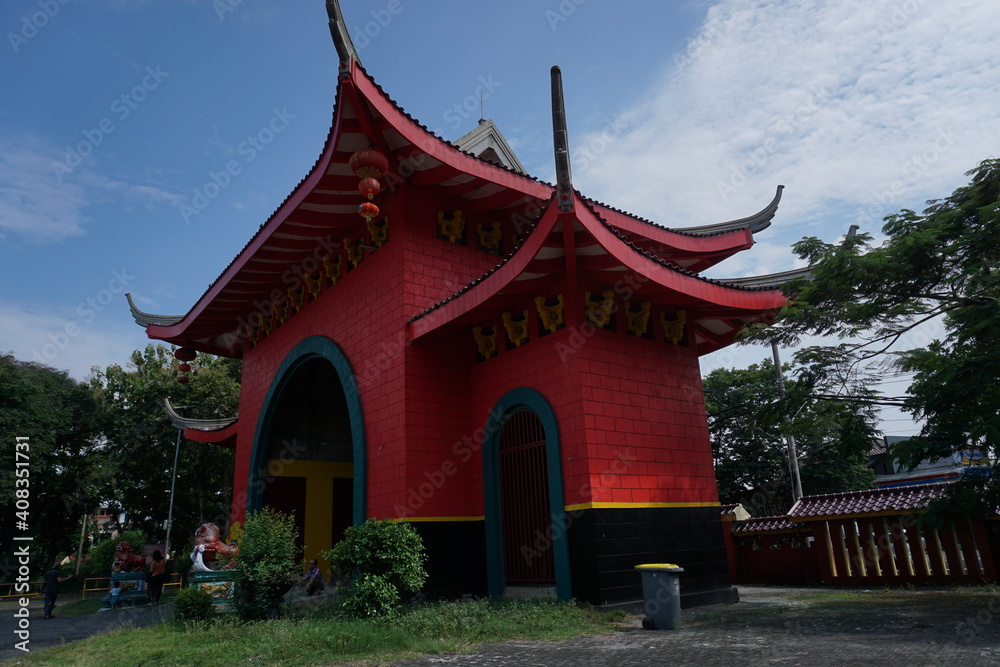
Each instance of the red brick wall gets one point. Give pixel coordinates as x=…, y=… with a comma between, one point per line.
x=631, y=414
x=362, y=314
x=409, y=418
x=630, y=410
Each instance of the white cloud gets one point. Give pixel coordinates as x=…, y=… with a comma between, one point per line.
x=859, y=108
x=34, y=204
x=43, y=201
x=72, y=340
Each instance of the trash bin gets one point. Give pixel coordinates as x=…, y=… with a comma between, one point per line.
x=661, y=595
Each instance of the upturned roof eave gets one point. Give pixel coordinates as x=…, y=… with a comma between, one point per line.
x=201, y=425
x=669, y=242
x=673, y=278
x=177, y=331
x=712, y=237
x=175, y=328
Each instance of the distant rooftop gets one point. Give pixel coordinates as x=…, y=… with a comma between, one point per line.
x=486, y=142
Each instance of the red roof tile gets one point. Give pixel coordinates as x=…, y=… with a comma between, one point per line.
x=766, y=524
x=852, y=503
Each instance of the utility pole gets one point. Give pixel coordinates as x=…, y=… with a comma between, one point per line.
x=79, y=550
x=173, y=485
x=793, y=459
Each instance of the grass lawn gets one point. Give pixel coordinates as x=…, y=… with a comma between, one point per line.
x=323, y=639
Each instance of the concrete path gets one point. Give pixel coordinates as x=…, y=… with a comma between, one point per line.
x=770, y=626
x=783, y=626
x=63, y=629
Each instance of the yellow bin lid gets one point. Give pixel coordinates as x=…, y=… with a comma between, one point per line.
x=659, y=566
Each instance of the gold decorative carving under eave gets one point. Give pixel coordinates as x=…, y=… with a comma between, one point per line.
x=637, y=321
x=355, y=253
x=551, y=315
x=379, y=231
x=485, y=343
x=489, y=237
x=281, y=312
x=296, y=298
x=451, y=226
x=599, y=312
x=314, y=284
x=673, y=329
x=517, y=330
x=334, y=268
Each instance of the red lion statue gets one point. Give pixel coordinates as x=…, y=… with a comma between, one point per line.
x=126, y=561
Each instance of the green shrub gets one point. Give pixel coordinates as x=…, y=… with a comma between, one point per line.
x=193, y=604
x=266, y=565
x=384, y=560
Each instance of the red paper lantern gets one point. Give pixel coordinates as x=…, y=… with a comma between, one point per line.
x=369, y=163
x=369, y=187
x=184, y=368
x=183, y=379
x=368, y=211
x=185, y=354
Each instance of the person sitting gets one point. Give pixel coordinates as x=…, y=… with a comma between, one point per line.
x=116, y=590
x=313, y=581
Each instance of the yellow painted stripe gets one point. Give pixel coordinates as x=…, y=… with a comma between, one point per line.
x=414, y=519
x=628, y=506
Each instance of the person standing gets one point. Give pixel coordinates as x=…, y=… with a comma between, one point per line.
x=113, y=594
x=157, y=577
x=50, y=588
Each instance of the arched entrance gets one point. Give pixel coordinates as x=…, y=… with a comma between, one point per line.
x=526, y=539
x=526, y=523
x=308, y=453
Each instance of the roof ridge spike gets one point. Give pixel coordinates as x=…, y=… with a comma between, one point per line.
x=341, y=37
x=560, y=141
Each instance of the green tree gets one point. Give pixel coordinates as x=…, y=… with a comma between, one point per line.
x=57, y=416
x=141, y=440
x=266, y=563
x=940, y=269
x=747, y=423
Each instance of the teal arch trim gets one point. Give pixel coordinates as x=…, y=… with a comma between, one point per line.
x=523, y=398
x=314, y=347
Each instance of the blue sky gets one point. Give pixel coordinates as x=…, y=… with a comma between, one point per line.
x=116, y=113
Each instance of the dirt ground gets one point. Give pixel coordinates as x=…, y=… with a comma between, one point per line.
x=786, y=626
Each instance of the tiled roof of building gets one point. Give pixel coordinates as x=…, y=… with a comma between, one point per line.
x=767, y=524
x=872, y=501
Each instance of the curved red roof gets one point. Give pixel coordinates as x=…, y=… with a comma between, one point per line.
x=324, y=204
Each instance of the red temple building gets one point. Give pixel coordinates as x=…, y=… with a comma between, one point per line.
x=505, y=363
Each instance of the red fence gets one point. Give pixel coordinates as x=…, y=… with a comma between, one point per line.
x=817, y=544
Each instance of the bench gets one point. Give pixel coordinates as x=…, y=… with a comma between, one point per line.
x=133, y=589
